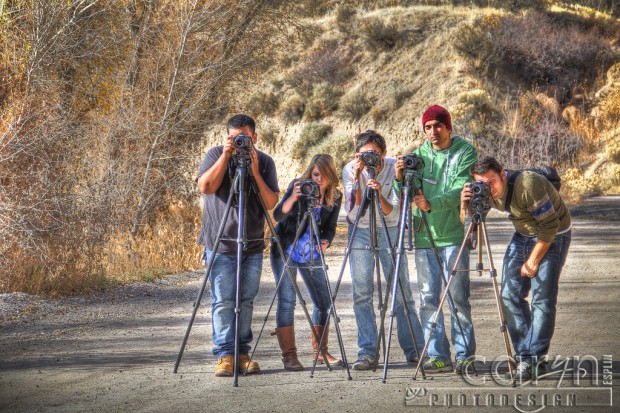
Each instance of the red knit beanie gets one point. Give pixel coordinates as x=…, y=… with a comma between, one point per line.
x=439, y=114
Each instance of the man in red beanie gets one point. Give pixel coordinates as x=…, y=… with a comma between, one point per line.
x=447, y=160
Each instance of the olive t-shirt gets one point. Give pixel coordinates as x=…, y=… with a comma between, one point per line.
x=215, y=207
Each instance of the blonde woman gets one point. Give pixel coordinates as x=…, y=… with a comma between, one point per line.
x=289, y=214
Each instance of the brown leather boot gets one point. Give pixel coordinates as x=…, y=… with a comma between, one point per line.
x=315, y=347
x=286, y=339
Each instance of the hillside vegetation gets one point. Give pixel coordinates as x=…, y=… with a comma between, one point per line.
x=107, y=108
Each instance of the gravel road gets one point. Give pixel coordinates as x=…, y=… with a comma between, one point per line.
x=115, y=351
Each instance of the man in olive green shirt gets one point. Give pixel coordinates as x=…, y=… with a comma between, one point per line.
x=533, y=261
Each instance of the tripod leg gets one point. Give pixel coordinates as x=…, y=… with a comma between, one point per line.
x=273, y=299
x=347, y=255
x=500, y=310
x=241, y=240
x=374, y=239
x=203, y=285
x=395, y=281
x=443, y=299
x=332, y=307
x=454, y=312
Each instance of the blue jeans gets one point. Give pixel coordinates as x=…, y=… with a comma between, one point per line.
x=223, y=290
x=531, y=327
x=363, y=278
x=315, y=283
x=431, y=287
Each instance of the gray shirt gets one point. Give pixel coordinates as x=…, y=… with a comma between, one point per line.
x=385, y=178
x=215, y=207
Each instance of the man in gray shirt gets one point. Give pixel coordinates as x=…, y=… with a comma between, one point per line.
x=355, y=179
x=215, y=179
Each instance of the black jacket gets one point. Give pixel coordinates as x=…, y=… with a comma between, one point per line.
x=287, y=223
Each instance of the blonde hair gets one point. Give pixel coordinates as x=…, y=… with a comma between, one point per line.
x=327, y=168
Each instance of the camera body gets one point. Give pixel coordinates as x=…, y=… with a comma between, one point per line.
x=480, y=189
x=370, y=159
x=309, y=188
x=480, y=201
x=243, y=143
x=413, y=162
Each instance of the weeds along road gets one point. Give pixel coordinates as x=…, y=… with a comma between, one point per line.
x=115, y=351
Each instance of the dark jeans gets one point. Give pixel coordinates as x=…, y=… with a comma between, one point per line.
x=223, y=279
x=316, y=284
x=531, y=326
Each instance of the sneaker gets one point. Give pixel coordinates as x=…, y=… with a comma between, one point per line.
x=540, y=369
x=365, y=363
x=436, y=365
x=522, y=374
x=245, y=363
x=414, y=361
x=225, y=366
x=463, y=366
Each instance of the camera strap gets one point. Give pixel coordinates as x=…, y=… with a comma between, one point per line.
x=512, y=177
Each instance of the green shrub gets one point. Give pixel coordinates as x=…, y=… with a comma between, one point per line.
x=544, y=49
x=330, y=63
x=398, y=93
x=267, y=135
x=311, y=135
x=340, y=147
x=322, y=102
x=378, y=114
x=355, y=104
x=379, y=35
x=292, y=109
x=263, y=103
x=345, y=16
x=476, y=41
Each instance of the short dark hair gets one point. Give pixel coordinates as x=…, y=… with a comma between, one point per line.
x=239, y=121
x=370, y=136
x=485, y=165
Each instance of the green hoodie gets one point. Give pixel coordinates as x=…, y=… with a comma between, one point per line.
x=450, y=168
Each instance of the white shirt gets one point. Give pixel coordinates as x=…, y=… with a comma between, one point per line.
x=386, y=179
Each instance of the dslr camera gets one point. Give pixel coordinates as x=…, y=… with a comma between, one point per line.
x=480, y=201
x=370, y=159
x=413, y=162
x=309, y=188
x=243, y=143
x=243, y=146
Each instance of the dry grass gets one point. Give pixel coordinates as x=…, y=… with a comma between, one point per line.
x=59, y=270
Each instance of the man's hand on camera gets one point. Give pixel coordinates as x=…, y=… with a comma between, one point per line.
x=254, y=161
x=421, y=202
x=466, y=195
x=399, y=169
x=358, y=166
x=229, y=146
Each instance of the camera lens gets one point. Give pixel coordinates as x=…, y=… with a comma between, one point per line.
x=370, y=158
x=309, y=188
x=243, y=141
x=413, y=162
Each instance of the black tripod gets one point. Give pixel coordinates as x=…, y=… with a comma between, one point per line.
x=478, y=223
x=370, y=201
x=310, y=219
x=239, y=187
x=409, y=187
x=394, y=278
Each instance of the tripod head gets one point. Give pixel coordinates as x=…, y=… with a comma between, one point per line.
x=479, y=204
x=312, y=202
